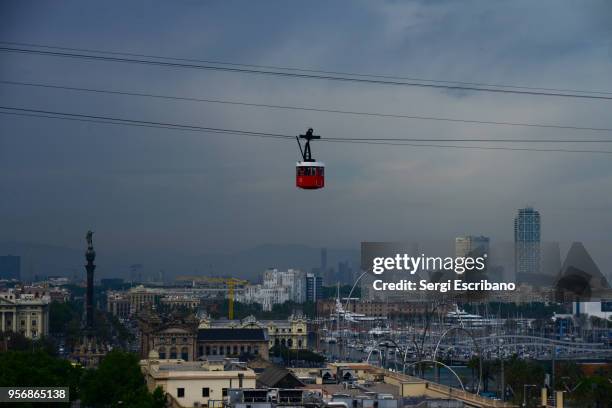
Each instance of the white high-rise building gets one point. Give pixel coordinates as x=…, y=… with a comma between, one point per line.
x=277, y=287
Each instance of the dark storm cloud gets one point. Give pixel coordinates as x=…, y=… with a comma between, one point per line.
x=151, y=188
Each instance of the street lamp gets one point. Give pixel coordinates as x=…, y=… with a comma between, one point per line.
x=525, y=386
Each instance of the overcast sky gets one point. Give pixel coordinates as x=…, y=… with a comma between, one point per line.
x=169, y=190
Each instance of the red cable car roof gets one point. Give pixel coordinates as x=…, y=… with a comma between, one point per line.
x=310, y=164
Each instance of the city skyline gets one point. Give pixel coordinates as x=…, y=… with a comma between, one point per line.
x=56, y=261
x=180, y=192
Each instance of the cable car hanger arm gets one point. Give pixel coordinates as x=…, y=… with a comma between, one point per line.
x=300, y=146
x=306, y=153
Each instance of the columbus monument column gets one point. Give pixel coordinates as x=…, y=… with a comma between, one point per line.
x=90, y=256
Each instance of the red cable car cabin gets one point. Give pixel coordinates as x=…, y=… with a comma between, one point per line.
x=310, y=175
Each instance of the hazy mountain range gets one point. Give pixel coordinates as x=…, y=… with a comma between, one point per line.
x=46, y=260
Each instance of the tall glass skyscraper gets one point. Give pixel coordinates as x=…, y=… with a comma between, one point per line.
x=527, y=236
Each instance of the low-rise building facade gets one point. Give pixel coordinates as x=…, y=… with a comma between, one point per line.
x=232, y=342
x=24, y=313
x=171, y=337
x=118, y=304
x=291, y=333
x=195, y=383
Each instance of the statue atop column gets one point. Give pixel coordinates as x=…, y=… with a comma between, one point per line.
x=91, y=348
x=89, y=238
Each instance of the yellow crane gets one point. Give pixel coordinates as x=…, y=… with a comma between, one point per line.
x=229, y=282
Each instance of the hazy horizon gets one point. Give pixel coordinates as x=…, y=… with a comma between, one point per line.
x=162, y=190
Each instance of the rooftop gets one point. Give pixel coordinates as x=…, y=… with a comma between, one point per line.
x=375, y=387
x=179, y=369
x=223, y=334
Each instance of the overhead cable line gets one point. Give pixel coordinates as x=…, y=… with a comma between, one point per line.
x=303, y=108
x=285, y=68
x=527, y=149
x=8, y=110
x=301, y=75
x=130, y=122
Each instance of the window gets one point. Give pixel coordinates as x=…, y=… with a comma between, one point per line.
x=184, y=354
x=33, y=322
x=173, y=353
x=208, y=350
x=224, y=392
x=180, y=392
x=162, y=353
x=206, y=392
x=235, y=349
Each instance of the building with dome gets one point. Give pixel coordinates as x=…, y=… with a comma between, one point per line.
x=172, y=336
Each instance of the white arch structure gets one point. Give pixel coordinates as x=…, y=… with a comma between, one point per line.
x=436, y=362
x=464, y=330
x=379, y=356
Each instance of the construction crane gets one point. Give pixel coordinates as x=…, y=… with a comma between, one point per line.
x=229, y=282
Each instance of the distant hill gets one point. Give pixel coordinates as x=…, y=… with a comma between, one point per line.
x=42, y=260
x=251, y=262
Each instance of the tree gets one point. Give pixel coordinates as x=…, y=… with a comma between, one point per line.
x=60, y=314
x=66, y=320
x=489, y=369
x=118, y=381
x=38, y=369
x=18, y=342
x=520, y=372
x=596, y=391
x=291, y=354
